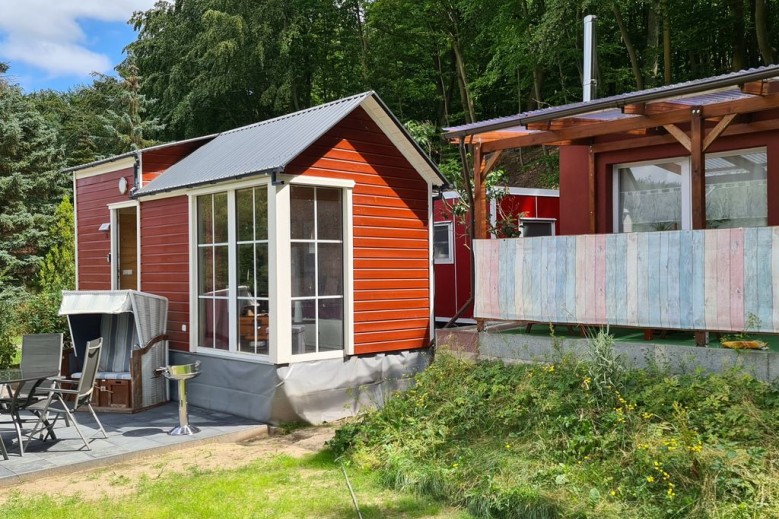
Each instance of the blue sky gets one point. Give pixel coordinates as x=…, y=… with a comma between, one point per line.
x=57, y=43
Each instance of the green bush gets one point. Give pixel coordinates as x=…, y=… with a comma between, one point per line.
x=555, y=440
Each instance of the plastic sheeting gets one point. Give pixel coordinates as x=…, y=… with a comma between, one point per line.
x=312, y=392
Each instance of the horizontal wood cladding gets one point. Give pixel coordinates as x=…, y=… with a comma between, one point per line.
x=165, y=260
x=93, y=195
x=155, y=162
x=364, y=345
x=391, y=234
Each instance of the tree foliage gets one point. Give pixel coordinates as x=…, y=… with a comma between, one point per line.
x=31, y=184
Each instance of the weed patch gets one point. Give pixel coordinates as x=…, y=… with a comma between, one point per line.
x=577, y=439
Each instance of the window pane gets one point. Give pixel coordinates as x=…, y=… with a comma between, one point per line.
x=261, y=269
x=736, y=194
x=303, y=327
x=246, y=274
x=245, y=214
x=220, y=218
x=650, y=197
x=331, y=324
x=213, y=325
x=261, y=213
x=205, y=270
x=204, y=219
x=253, y=326
x=221, y=268
x=441, y=242
x=329, y=214
x=303, y=271
x=301, y=213
x=331, y=270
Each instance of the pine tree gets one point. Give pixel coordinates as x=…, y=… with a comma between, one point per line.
x=31, y=185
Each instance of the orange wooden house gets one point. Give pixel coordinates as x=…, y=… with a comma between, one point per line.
x=295, y=254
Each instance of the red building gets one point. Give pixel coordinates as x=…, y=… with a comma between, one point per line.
x=536, y=212
x=291, y=251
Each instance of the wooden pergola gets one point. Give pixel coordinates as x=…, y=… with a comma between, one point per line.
x=694, y=114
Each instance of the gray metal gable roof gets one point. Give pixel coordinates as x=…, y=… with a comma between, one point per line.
x=258, y=148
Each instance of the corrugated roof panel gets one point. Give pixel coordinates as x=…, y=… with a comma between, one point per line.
x=257, y=148
x=677, y=90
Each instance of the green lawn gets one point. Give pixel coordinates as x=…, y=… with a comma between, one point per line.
x=278, y=487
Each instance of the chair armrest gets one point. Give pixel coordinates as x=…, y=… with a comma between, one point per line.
x=148, y=346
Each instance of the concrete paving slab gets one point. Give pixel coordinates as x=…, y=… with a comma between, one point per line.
x=129, y=436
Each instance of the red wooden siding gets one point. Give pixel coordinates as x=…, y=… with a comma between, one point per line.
x=165, y=260
x=156, y=161
x=391, y=240
x=93, y=194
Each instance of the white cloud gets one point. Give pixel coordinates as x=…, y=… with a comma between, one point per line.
x=46, y=33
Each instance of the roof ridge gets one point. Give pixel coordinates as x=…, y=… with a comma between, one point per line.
x=362, y=95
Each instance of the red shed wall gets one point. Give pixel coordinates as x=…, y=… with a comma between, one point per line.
x=574, y=187
x=154, y=162
x=93, y=194
x=165, y=260
x=391, y=233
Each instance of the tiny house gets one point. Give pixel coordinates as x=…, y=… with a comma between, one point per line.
x=295, y=254
x=535, y=212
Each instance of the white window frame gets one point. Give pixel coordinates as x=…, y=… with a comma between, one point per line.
x=279, y=270
x=449, y=260
x=686, y=192
x=114, y=249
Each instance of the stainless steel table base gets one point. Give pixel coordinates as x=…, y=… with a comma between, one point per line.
x=183, y=428
x=182, y=373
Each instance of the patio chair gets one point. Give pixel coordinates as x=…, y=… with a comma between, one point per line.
x=67, y=401
x=41, y=354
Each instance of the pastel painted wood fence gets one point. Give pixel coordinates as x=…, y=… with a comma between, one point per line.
x=695, y=280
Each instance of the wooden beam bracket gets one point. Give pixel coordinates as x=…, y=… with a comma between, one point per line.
x=679, y=135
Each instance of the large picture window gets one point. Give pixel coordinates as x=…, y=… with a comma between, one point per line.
x=213, y=271
x=233, y=231
x=251, y=209
x=656, y=196
x=317, y=269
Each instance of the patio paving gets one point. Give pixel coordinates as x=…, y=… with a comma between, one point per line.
x=129, y=436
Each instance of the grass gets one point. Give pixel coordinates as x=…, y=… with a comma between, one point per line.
x=278, y=487
x=577, y=439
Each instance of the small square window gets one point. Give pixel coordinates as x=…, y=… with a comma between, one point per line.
x=443, y=249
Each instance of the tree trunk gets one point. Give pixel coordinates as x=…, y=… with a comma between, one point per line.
x=630, y=48
x=538, y=85
x=739, y=59
x=653, y=37
x=761, y=31
x=666, y=44
x=465, y=96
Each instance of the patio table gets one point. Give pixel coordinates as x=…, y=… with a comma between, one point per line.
x=21, y=386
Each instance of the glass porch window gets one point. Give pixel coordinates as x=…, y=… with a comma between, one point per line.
x=650, y=197
x=736, y=189
x=213, y=275
x=317, y=269
x=252, y=298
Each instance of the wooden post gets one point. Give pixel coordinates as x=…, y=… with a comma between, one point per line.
x=697, y=169
x=480, y=206
x=479, y=194
x=592, y=195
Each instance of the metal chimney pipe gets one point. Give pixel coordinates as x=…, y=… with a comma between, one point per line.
x=590, y=83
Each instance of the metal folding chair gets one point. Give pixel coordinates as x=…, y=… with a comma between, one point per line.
x=66, y=402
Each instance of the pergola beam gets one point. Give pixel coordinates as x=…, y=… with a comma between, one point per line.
x=636, y=122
